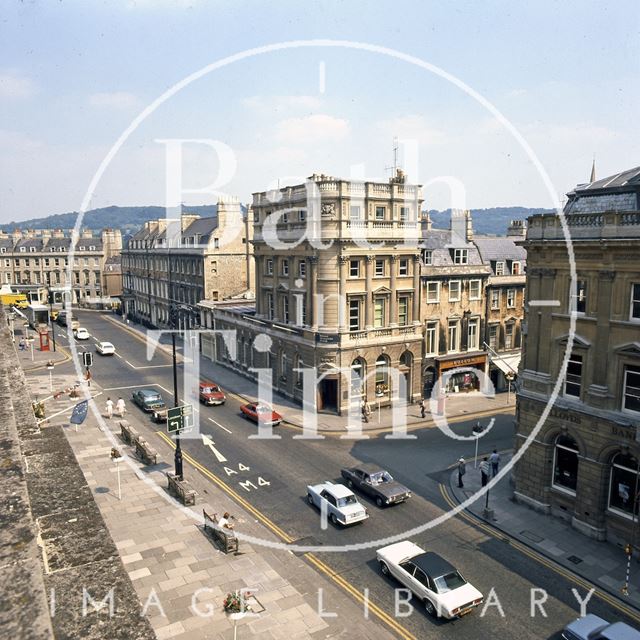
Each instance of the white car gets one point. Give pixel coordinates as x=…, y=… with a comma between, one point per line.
x=82, y=334
x=438, y=584
x=341, y=504
x=105, y=348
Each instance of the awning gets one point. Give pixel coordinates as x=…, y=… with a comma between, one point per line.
x=507, y=364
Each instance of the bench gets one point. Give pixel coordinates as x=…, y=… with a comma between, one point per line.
x=145, y=452
x=128, y=433
x=181, y=489
x=226, y=537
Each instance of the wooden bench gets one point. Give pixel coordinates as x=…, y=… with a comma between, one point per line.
x=181, y=489
x=128, y=433
x=145, y=452
x=226, y=537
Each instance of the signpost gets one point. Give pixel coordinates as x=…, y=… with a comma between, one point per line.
x=180, y=419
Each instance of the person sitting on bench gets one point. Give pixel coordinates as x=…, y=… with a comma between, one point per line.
x=224, y=523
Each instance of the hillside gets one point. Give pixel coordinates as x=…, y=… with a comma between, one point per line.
x=492, y=221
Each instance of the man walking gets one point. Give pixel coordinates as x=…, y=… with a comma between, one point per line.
x=120, y=407
x=484, y=471
x=423, y=408
x=109, y=404
x=461, y=471
x=494, y=459
x=366, y=411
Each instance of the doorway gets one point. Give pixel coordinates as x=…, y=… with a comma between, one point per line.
x=328, y=395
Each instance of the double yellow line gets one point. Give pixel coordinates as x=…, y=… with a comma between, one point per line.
x=522, y=548
x=312, y=558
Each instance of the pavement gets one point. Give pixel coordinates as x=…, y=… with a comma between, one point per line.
x=462, y=406
x=601, y=563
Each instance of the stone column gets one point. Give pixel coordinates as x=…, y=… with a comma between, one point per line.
x=342, y=294
x=530, y=347
x=368, y=298
x=393, y=321
x=603, y=314
x=416, y=289
x=547, y=292
x=313, y=290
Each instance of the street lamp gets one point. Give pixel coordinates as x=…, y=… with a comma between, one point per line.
x=50, y=366
x=53, y=332
x=510, y=376
x=173, y=312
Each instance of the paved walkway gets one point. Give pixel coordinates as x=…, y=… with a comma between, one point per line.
x=462, y=406
x=176, y=569
x=602, y=563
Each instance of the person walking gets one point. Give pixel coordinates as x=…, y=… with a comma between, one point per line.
x=494, y=460
x=484, y=471
x=366, y=411
x=461, y=471
x=121, y=408
x=109, y=404
x=423, y=408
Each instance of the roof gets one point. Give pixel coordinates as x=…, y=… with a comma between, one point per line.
x=618, y=192
x=90, y=242
x=441, y=242
x=623, y=179
x=202, y=227
x=499, y=248
x=338, y=490
x=433, y=564
x=369, y=467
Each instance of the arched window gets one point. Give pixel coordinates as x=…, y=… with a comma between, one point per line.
x=623, y=484
x=358, y=373
x=382, y=375
x=406, y=358
x=565, y=464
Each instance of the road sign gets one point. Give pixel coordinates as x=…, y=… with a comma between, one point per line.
x=180, y=419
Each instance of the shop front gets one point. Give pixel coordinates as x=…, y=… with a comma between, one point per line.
x=461, y=381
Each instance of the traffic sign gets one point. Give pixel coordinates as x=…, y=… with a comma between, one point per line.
x=180, y=419
x=87, y=358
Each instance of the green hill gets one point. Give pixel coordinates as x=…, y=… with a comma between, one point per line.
x=493, y=221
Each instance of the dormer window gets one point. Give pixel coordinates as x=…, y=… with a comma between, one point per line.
x=460, y=256
x=82, y=248
x=500, y=268
x=23, y=249
x=302, y=215
x=516, y=268
x=92, y=248
x=3, y=250
x=32, y=249
x=427, y=256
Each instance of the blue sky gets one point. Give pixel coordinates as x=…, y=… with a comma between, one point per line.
x=73, y=75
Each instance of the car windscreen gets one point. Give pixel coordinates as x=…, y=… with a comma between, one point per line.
x=449, y=581
x=152, y=397
x=343, y=502
x=380, y=477
x=212, y=389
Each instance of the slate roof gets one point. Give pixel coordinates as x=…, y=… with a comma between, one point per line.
x=499, y=248
x=89, y=242
x=623, y=179
x=59, y=242
x=202, y=227
x=441, y=243
x=619, y=192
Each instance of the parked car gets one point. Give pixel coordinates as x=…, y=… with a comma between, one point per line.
x=148, y=400
x=342, y=506
x=160, y=415
x=211, y=393
x=105, y=348
x=592, y=627
x=438, y=584
x=261, y=412
x=377, y=483
x=82, y=334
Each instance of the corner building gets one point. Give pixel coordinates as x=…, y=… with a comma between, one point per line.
x=351, y=304
x=582, y=465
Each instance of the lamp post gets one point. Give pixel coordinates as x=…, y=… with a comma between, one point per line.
x=178, y=455
x=50, y=366
x=53, y=332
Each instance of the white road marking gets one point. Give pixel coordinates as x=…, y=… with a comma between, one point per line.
x=118, y=355
x=219, y=425
x=151, y=366
x=208, y=442
x=133, y=386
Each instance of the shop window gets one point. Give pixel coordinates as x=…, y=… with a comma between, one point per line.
x=565, y=464
x=631, y=389
x=573, y=380
x=358, y=373
x=623, y=485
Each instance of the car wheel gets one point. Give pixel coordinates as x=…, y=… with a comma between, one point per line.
x=430, y=609
x=309, y=498
x=379, y=501
x=385, y=569
x=334, y=520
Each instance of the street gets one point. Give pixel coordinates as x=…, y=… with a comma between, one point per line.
x=272, y=476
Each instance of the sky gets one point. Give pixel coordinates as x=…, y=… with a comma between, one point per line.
x=74, y=76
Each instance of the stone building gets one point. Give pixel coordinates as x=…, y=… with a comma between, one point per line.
x=350, y=309
x=582, y=461
x=179, y=262
x=112, y=277
x=504, y=300
x=39, y=261
x=454, y=280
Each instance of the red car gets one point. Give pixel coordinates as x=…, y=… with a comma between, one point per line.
x=266, y=415
x=211, y=393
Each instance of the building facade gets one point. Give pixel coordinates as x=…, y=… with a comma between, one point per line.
x=176, y=263
x=349, y=309
x=36, y=262
x=582, y=461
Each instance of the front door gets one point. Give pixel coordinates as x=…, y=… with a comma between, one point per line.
x=328, y=395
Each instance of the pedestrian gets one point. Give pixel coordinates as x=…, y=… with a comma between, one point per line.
x=22, y=344
x=224, y=522
x=494, y=459
x=484, y=471
x=120, y=407
x=423, y=408
x=109, y=404
x=366, y=411
x=461, y=471
x=478, y=428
